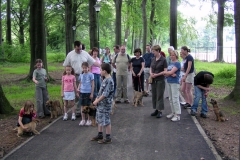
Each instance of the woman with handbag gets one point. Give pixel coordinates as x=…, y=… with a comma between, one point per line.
x=158, y=66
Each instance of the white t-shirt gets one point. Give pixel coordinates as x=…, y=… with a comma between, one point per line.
x=76, y=59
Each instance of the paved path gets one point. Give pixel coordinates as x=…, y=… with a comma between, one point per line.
x=135, y=136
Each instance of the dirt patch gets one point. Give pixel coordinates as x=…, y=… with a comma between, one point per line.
x=224, y=135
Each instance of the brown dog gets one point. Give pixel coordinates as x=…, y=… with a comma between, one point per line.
x=219, y=115
x=137, y=98
x=31, y=127
x=55, y=108
x=92, y=114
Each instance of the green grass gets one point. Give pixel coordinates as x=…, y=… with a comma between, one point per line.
x=224, y=73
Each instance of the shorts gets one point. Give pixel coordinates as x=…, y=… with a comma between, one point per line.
x=190, y=78
x=146, y=73
x=69, y=96
x=103, y=118
x=84, y=99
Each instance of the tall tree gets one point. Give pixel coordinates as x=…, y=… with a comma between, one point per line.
x=92, y=24
x=9, y=32
x=173, y=23
x=5, y=106
x=235, y=94
x=220, y=24
x=1, y=38
x=68, y=25
x=20, y=12
x=151, y=21
x=37, y=34
x=144, y=18
x=118, y=29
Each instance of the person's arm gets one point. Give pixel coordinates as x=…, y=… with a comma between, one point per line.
x=79, y=87
x=62, y=87
x=204, y=88
x=169, y=73
x=131, y=69
x=140, y=72
x=75, y=87
x=20, y=123
x=92, y=89
x=34, y=77
x=187, y=71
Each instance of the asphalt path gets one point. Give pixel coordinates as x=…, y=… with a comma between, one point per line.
x=135, y=136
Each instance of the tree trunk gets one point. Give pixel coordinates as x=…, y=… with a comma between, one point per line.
x=5, y=106
x=37, y=35
x=173, y=23
x=21, y=25
x=220, y=22
x=144, y=17
x=1, y=42
x=152, y=22
x=126, y=35
x=133, y=35
x=118, y=29
x=8, y=32
x=68, y=25
x=235, y=94
x=92, y=24
x=74, y=19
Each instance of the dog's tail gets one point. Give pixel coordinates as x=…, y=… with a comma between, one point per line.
x=15, y=128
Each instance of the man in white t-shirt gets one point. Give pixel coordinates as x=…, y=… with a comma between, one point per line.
x=75, y=58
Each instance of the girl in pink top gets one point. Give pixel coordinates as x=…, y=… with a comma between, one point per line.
x=69, y=88
x=96, y=72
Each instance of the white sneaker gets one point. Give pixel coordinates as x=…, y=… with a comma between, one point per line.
x=73, y=117
x=65, y=117
x=82, y=123
x=89, y=123
x=170, y=115
x=175, y=118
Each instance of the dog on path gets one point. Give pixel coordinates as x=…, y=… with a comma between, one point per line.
x=54, y=107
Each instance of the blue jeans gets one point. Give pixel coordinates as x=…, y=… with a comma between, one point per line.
x=97, y=84
x=198, y=94
x=115, y=81
x=25, y=120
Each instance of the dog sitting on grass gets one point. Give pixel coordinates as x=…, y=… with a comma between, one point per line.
x=219, y=115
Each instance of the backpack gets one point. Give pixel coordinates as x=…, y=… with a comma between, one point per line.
x=129, y=59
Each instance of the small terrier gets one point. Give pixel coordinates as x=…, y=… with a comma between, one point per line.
x=219, y=115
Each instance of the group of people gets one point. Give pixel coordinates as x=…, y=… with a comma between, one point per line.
x=96, y=81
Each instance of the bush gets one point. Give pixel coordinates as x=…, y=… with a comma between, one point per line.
x=56, y=56
x=17, y=53
x=227, y=72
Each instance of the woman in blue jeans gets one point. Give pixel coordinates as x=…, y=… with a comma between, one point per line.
x=96, y=72
x=202, y=82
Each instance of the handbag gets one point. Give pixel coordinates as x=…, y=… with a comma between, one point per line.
x=150, y=80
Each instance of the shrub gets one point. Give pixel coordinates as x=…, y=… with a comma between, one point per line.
x=226, y=72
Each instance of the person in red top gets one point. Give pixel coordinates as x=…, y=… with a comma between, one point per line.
x=26, y=114
x=163, y=54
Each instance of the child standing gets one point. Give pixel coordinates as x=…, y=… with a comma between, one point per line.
x=68, y=91
x=86, y=88
x=26, y=114
x=104, y=105
x=40, y=78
